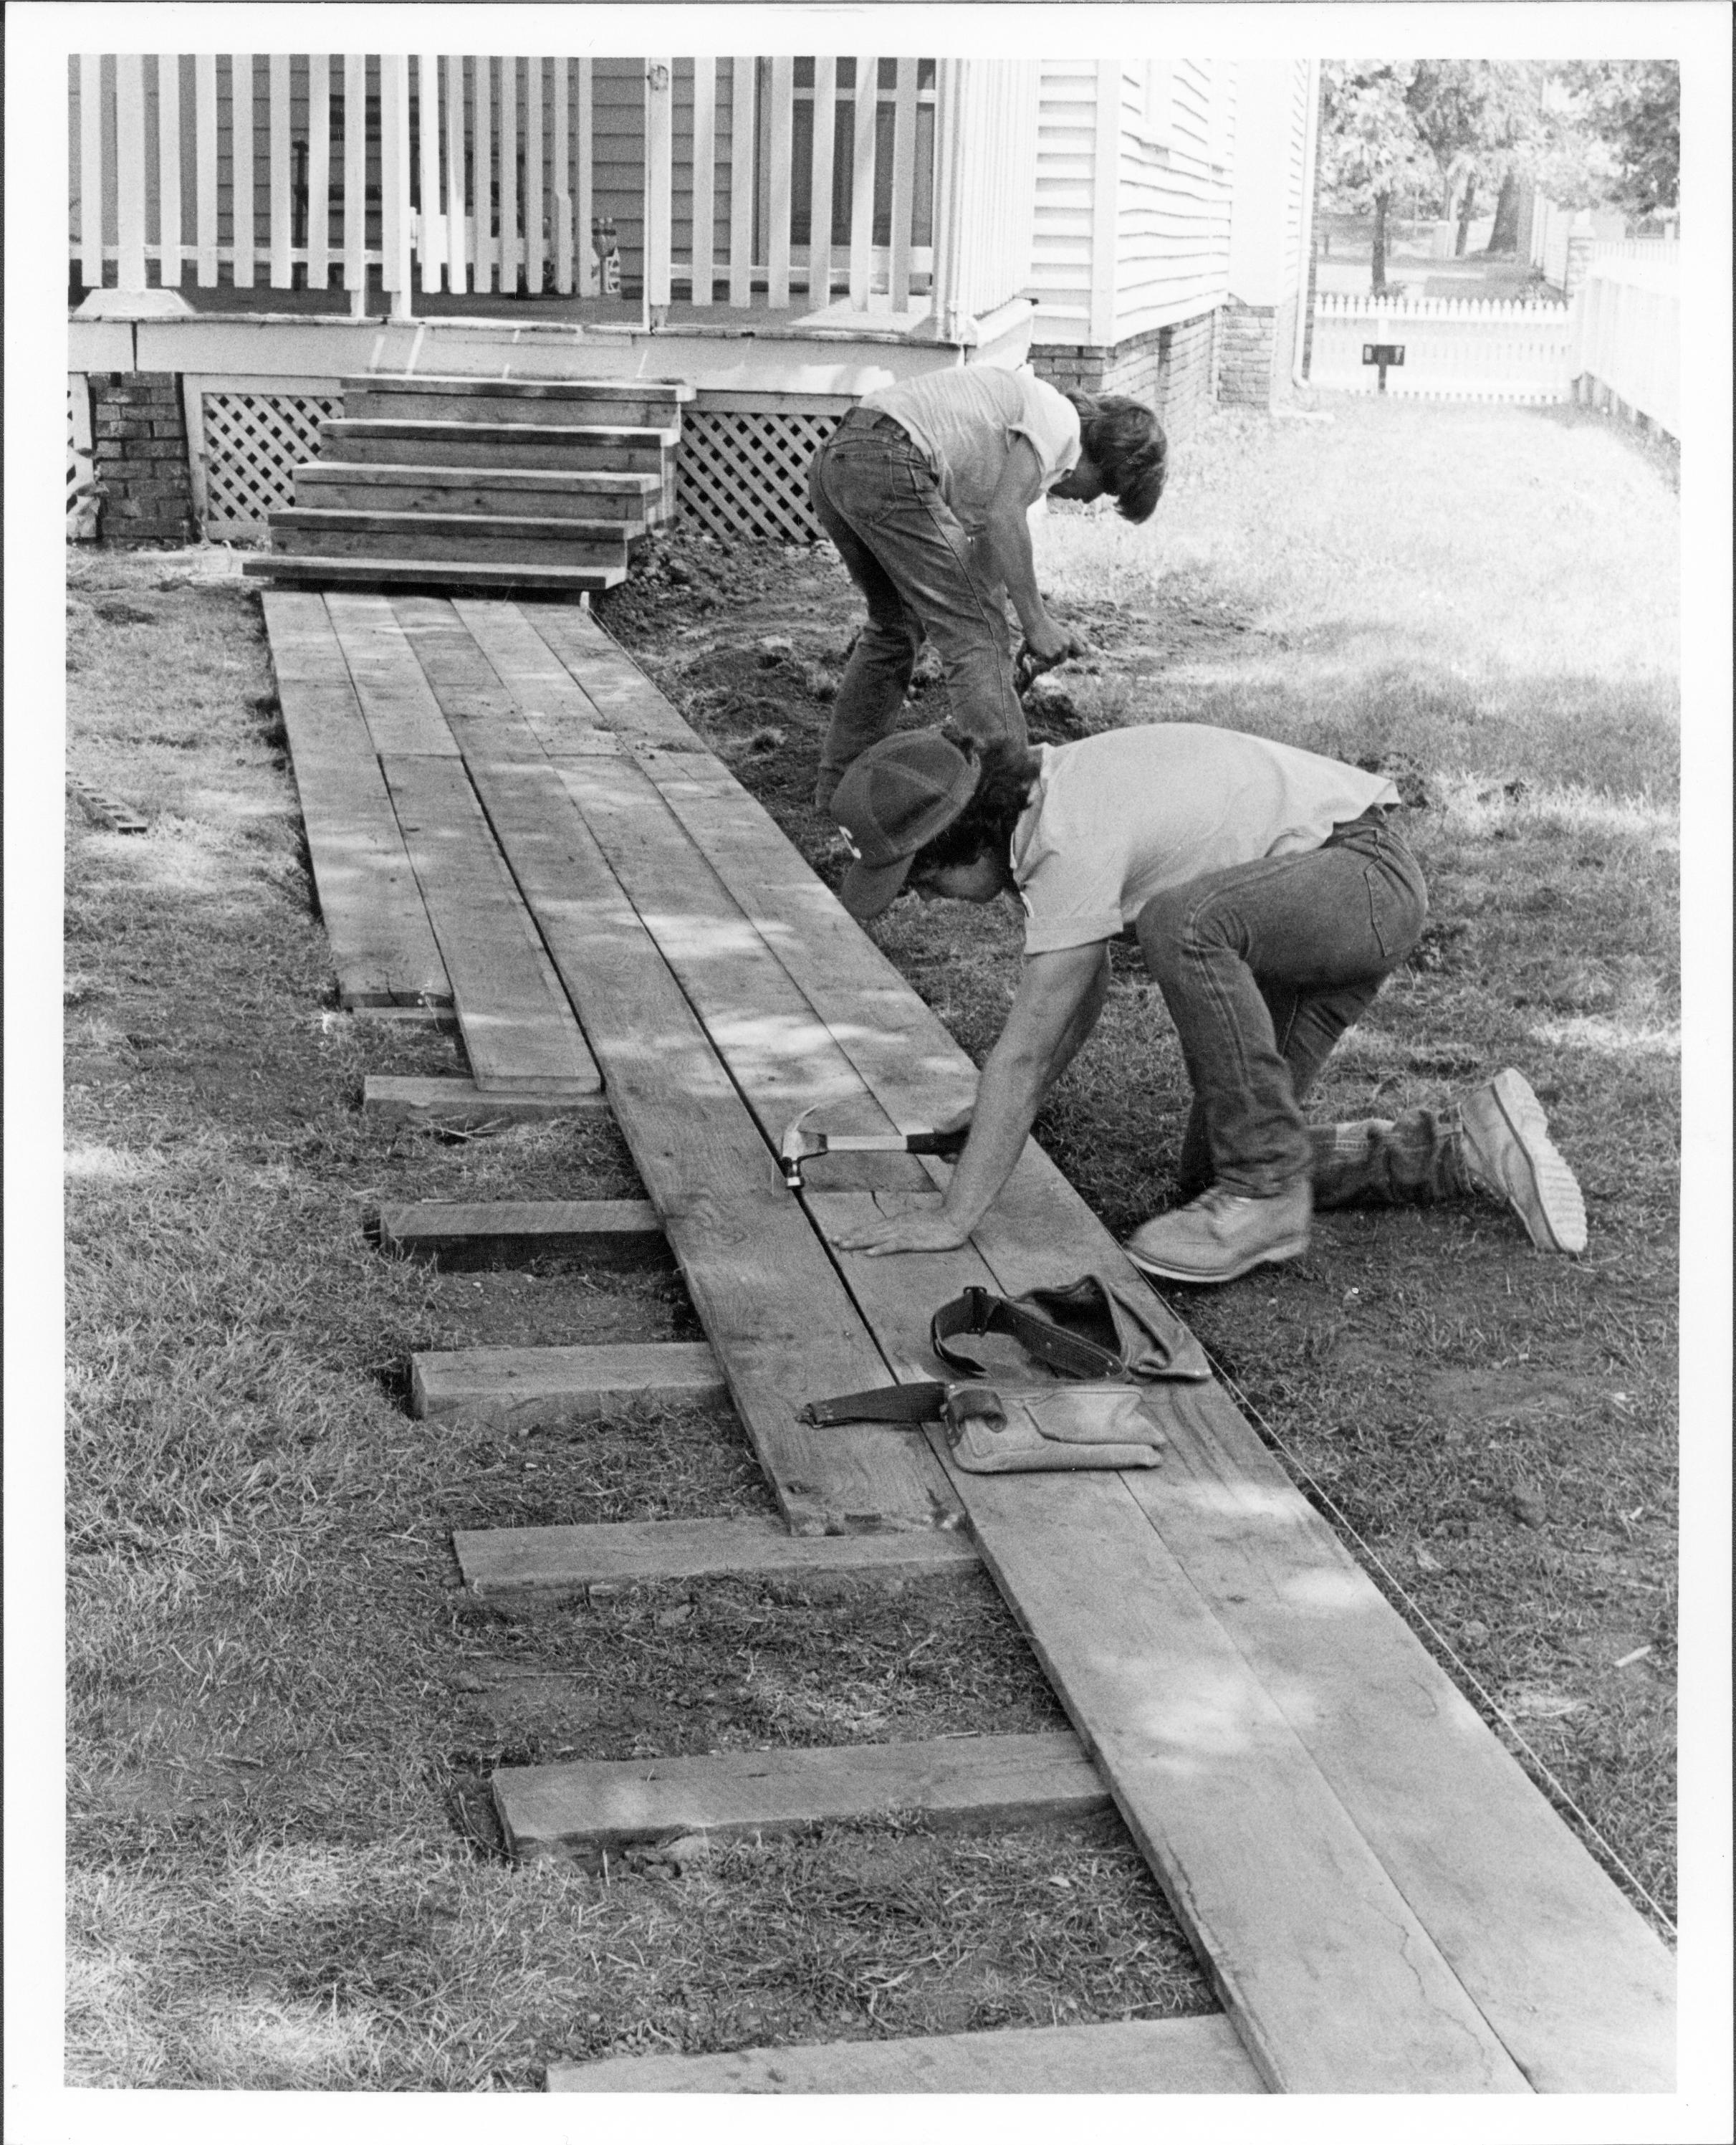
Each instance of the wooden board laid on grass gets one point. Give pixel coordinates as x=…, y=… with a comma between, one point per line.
x=456, y=1104
x=559, y=1385
x=583, y=1809
x=767, y=1294
x=382, y=944
x=561, y=713
x=451, y=1229
x=623, y=697
x=512, y=1560
x=519, y=1029
x=397, y=704
x=1124, y=2056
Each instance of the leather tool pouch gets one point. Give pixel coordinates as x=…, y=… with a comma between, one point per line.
x=1088, y=1329
x=995, y=1429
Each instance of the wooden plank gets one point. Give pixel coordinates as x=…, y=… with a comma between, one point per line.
x=397, y=702
x=958, y=1782
x=625, y=699
x=559, y=1385
x=240, y=166
x=391, y=1099
x=504, y=1559
x=480, y=711
x=129, y=167
x=1539, y=1936
x=586, y=494
x=518, y=1030
x=742, y=97
x=382, y=944
x=592, y=1228
x=766, y=1293
x=277, y=71
x=563, y=718
x=492, y=576
x=780, y=163
x=319, y=171
x=1124, y=2056
x=516, y=540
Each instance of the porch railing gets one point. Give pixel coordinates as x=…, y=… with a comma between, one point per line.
x=733, y=181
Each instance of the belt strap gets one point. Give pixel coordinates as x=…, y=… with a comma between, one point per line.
x=922, y=1402
x=978, y=1310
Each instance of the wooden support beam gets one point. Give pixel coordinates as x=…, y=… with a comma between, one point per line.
x=1124, y=2056
x=588, y=1229
x=959, y=1783
x=393, y=1098
x=516, y=1560
x=559, y=1385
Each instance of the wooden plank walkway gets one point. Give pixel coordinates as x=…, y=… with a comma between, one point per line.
x=1384, y=1902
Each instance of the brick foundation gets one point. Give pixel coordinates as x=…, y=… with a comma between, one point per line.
x=1254, y=344
x=139, y=437
x=1171, y=368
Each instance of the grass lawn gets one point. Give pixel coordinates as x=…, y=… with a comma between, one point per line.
x=283, y=1709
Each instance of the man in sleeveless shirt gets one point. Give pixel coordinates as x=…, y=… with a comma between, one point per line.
x=1270, y=896
x=924, y=488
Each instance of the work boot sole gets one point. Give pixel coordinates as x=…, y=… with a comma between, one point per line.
x=1554, y=1215
x=1269, y=1255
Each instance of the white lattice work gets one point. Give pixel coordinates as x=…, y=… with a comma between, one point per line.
x=252, y=444
x=745, y=472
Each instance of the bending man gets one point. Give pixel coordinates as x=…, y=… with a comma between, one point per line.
x=1270, y=897
x=924, y=488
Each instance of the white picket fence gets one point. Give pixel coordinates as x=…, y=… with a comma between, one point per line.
x=1630, y=329
x=1485, y=350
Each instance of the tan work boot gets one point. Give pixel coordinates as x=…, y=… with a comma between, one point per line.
x=1222, y=1235
x=1505, y=1147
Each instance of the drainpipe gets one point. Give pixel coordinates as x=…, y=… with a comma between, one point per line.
x=1307, y=248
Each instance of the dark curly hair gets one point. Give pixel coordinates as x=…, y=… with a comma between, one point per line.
x=1006, y=773
x=1126, y=442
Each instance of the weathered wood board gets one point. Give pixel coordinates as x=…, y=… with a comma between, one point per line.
x=382, y=944
x=575, y=1384
x=519, y=1029
x=397, y=702
x=508, y=1559
x=1125, y=2056
x=453, y=1229
x=415, y=1098
x=957, y=1781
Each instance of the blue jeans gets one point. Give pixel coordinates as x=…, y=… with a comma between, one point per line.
x=876, y=497
x=1263, y=967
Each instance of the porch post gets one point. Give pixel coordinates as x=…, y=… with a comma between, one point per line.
x=659, y=186
x=947, y=311
x=394, y=180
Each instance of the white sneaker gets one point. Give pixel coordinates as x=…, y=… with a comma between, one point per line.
x=1507, y=1152
x=1222, y=1235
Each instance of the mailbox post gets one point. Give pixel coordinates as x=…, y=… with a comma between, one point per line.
x=1383, y=354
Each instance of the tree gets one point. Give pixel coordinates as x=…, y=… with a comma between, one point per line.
x=1369, y=144
x=1632, y=108
x=1483, y=121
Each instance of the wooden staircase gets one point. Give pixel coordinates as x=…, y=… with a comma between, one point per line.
x=485, y=484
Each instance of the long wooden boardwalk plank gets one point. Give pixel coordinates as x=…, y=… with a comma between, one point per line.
x=508, y=1559
x=382, y=944
x=623, y=697
x=767, y=1296
x=397, y=702
x=957, y=1781
x=562, y=715
x=518, y=1030
x=1571, y=1977
x=573, y=1384
x=1125, y=2056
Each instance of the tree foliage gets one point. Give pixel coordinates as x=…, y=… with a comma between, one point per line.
x=1634, y=110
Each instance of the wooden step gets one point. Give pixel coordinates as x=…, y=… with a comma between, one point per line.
x=1123, y=2055
x=463, y=401
x=489, y=575
x=559, y=1385
x=522, y=540
x=447, y=1100
x=451, y=1229
x=641, y=449
x=525, y=1560
x=957, y=1782
x=564, y=494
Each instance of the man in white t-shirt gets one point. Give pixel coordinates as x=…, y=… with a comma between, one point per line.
x=1269, y=897
x=924, y=488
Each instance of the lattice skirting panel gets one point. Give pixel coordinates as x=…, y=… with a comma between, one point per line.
x=745, y=472
x=252, y=444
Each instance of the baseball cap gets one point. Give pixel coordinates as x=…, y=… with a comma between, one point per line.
x=898, y=794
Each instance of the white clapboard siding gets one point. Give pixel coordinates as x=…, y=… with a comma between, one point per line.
x=1459, y=350
x=1061, y=234
x=990, y=140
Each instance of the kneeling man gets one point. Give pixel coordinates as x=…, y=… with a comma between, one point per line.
x=1270, y=896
